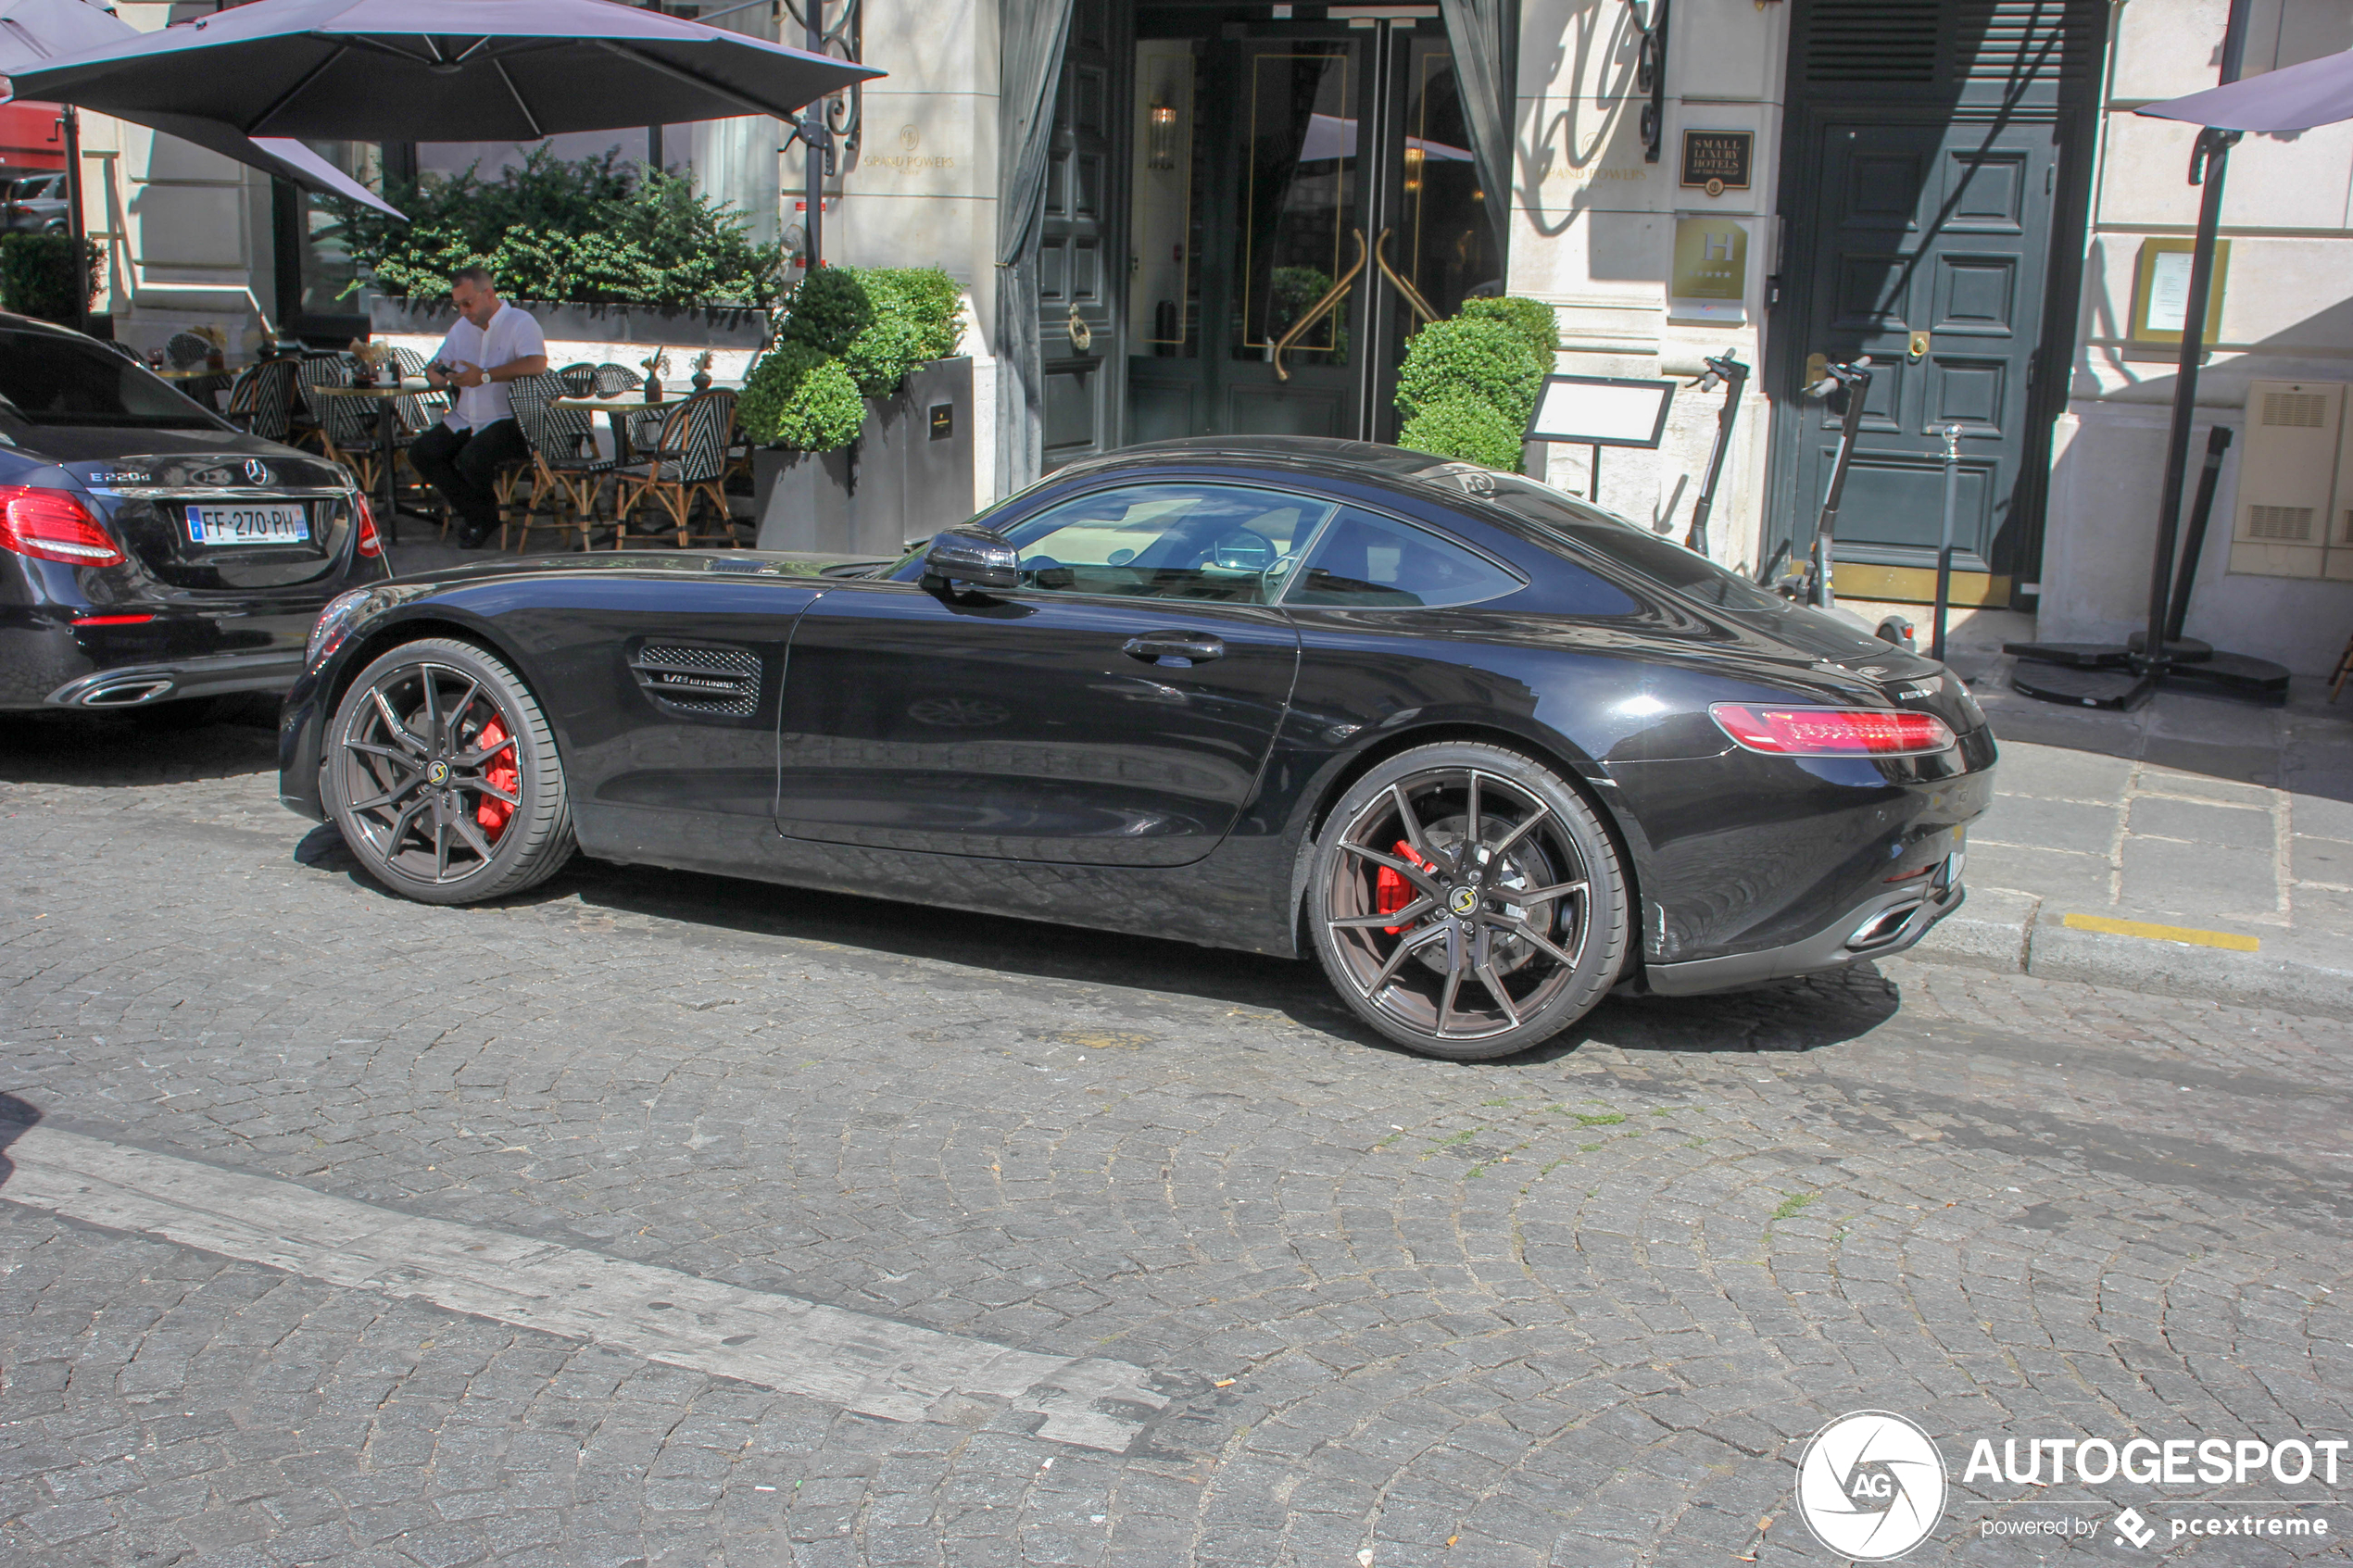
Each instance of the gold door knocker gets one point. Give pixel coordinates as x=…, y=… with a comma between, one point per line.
x=1318, y=311
x=1082, y=336
x=1920, y=345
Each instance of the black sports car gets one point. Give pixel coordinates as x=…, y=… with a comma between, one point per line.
x=149, y=550
x=1488, y=751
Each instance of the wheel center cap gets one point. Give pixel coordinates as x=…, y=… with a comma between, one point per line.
x=1463, y=900
x=437, y=774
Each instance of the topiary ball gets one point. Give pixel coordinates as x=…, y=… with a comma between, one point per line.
x=1532, y=318
x=825, y=411
x=879, y=358
x=827, y=309
x=1467, y=429
x=1470, y=357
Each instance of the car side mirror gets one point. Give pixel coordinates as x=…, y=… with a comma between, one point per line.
x=974, y=556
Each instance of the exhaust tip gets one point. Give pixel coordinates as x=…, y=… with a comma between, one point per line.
x=126, y=693
x=1882, y=928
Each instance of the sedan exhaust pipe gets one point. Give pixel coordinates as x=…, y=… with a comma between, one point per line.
x=126, y=693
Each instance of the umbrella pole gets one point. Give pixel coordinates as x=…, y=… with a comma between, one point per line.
x=78, y=228
x=2213, y=157
x=813, y=147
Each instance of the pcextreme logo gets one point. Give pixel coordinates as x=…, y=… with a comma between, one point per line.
x=1872, y=1485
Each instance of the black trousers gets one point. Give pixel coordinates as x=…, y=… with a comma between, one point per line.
x=464, y=465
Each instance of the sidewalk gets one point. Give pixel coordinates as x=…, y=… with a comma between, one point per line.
x=2200, y=847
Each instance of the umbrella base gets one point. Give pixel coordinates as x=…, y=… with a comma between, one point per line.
x=2118, y=677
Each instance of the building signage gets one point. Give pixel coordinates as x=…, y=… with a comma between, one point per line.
x=2161, y=291
x=1711, y=259
x=1716, y=161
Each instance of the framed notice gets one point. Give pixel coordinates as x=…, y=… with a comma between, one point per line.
x=1716, y=161
x=2161, y=291
x=1601, y=410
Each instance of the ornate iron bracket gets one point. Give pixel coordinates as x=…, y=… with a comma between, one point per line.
x=1650, y=75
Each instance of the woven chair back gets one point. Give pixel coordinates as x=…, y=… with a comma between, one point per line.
x=264, y=395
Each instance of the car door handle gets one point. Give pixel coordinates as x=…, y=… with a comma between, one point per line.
x=1178, y=648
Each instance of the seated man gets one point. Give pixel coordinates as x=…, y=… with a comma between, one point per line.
x=492, y=344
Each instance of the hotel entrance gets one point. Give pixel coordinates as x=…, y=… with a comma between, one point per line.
x=1300, y=197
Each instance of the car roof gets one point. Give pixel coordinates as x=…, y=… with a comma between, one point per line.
x=1305, y=454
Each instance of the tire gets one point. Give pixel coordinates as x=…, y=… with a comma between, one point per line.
x=1466, y=974
x=496, y=821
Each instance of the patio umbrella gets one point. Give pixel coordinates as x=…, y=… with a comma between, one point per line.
x=442, y=70
x=33, y=32
x=2292, y=98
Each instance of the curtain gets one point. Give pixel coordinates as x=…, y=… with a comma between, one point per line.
x=1480, y=34
x=1032, y=33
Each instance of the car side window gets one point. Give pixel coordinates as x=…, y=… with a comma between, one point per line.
x=1224, y=544
x=1370, y=561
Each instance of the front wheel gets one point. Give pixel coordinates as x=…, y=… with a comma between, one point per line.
x=442, y=775
x=1466, y=902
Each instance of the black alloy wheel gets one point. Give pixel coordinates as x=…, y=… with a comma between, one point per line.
x=443, y=776
x=1466, y=902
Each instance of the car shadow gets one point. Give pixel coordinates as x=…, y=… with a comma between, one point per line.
x=210, y=738
x=1794, y=1015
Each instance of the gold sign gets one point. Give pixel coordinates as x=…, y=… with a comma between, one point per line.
x=1711, y=259
x=1716, y=161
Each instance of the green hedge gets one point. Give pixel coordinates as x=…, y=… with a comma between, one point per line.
x=848, y=333
x=1469, y=383
x=37, y=276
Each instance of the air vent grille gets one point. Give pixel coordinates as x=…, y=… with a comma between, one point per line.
x=719, y=682
x=2298, y=410
x=1873, y=41
x=2287, y=524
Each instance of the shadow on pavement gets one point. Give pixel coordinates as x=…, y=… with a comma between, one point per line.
x=1785, y=1016
x=16, y=1117
x=211, y=739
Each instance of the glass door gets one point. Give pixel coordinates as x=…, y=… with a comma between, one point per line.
x=1301, y=198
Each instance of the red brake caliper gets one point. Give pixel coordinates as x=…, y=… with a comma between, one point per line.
x=1392, y=892
x=501, y=774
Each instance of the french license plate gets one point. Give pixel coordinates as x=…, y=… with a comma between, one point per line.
x=248, y=523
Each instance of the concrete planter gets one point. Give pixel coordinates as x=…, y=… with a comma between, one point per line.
x=651, y=325
x=908, y=475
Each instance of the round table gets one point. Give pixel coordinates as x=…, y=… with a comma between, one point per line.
x=386, y=395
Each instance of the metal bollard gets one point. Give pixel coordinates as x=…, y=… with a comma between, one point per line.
x=1945, y=545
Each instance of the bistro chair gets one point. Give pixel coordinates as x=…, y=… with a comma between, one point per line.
x=687, y=460
x=636, y=429
x=567, y=473
x=530, y=399
x=126, y=351
x=347, y=425
x=417, y=415
x=580, y=380
x=262, y=398
x=317, y=367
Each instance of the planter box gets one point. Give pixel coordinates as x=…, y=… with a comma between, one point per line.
x=909, y=474
x=652, y=325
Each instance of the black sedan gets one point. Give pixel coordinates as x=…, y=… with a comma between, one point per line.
x=1485, y=750
x=149, y=551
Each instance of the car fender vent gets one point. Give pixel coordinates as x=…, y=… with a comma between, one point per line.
x=709, y=680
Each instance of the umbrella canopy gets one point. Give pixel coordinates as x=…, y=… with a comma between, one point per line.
x=2292, y=98
x=33, y=32
x=442, y=70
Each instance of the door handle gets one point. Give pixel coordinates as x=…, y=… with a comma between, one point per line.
x=1401, y=284
x=1315, y=312
x=1919, y=345
x=1178, y=650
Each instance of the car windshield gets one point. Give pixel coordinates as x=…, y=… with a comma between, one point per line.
x=1654, y=556
x=49, y=379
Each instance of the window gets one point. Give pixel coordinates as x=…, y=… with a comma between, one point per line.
x=1218, y=543
x=1372, y=561
x=1653, y=555
x=55, y=380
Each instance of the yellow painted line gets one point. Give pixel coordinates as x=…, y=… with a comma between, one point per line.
x=2190, y=935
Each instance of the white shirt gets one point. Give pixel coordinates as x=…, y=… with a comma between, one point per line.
x=512, y=335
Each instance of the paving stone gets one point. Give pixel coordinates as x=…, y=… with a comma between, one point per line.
x=2237, y=827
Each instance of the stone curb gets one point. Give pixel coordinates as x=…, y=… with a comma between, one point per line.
x=2008, y=933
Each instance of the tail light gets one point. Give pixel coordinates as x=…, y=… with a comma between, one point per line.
x=1832, y=731
x=54, y=525
x=368, y=546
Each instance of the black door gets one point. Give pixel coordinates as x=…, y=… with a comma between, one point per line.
x=1115, y=709
x=1937, y=160
x=1301, y=196
x=1934, y=237
x=1078, y=280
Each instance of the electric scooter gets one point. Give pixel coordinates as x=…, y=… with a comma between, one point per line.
x=1729, y=373
x=1811, y=583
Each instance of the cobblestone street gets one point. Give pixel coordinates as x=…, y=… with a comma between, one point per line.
x=1353, y=1307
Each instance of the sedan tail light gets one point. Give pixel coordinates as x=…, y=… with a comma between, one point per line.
x=370, y=546
x=54, y=525
x=1832, y=731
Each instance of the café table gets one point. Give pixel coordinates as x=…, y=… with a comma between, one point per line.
x=386, y=395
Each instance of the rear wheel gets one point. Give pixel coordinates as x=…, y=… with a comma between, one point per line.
x=1466, y=902
x=443, y=776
